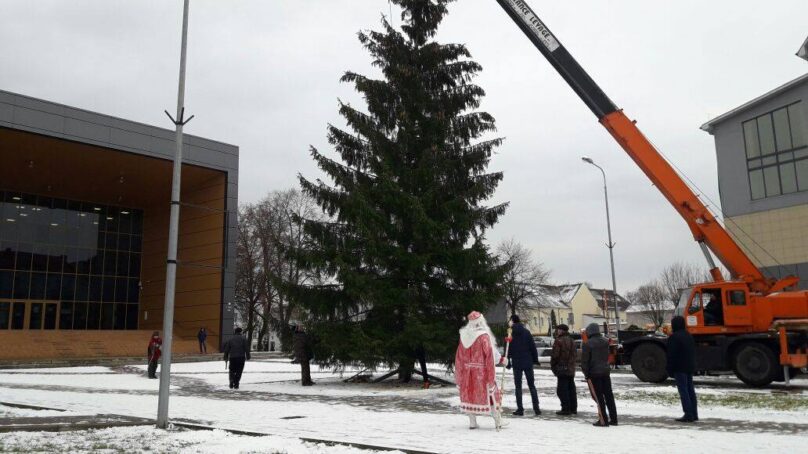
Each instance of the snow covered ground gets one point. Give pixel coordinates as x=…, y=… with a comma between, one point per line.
x=734, y=418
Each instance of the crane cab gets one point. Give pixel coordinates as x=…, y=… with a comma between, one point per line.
x=717, y=308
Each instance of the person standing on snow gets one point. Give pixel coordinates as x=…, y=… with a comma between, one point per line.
x=475, y=371
x=202, y=337
x=237, y=351
x=522, y=355
x=562, y=363
x=153, y=353
x=682, y=366
x=595, y=366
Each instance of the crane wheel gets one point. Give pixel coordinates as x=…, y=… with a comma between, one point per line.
x=755, y=364
x=648, y=362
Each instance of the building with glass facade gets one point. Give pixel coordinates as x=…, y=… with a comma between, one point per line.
x=84, y=207
x=762, y=154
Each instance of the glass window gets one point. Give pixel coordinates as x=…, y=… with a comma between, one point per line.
x=107, y=312
x=5, y=315
x=68, y=287
x=124, y=242
x=737, y=298
x=108, y=293
x=137, y=222
x=82, y=288
x=782, y=132
x=134, y=263
x=798, y=125
x=56, y=259
x=802, y=174
x=131, y=316
x=6, y=284
x=111, y=240
x=53, y=287
x=71, y=259
x=120, y=316
x=769, y=160
x=7, y=253
x=110, y=262
x=18, y=316
x=788, y=178
x=37, y=286
x=24, y=257
x=35, y=316
x=21, y=281
x=39, y=260
x=93, y=315
x=66, y=316
x=96, y=284
x=772, y=179
x=79, y=316
x=766, y=131
x=134, y=290
x=121, y=289
x=750, y=135
x=50, y=316
x=123, y=264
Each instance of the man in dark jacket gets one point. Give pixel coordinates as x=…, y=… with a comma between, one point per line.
x=302, y=347
x=595, y=366
x=682, y=366
x=237, y=351
x=522, y=354
x=562, y=363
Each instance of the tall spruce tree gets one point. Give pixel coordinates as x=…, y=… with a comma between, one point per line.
x=406, y=249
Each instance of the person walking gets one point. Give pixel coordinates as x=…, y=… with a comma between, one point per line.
x=303, y=354
x=475, y=371
x=237, y=351
x=563, y=363
x=682, y=366
x=521, y=356
x=595, y=366
x=153, y=353
x=202, y=336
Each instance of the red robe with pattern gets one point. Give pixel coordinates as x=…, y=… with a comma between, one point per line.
x=476, y=376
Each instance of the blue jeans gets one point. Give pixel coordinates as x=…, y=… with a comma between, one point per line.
x=517, y=382
x=687, y=394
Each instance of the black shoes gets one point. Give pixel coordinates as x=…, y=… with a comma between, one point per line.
x=612, y=423
x=231, y=385
x=537, y=412
x=600, y=424
x=563, y=413
x=685, y=419
x=519, y=413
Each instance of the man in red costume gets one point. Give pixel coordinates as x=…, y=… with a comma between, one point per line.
x=475, y=371
x=154, y=352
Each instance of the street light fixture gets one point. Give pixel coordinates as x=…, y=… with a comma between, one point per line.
x=610, y=244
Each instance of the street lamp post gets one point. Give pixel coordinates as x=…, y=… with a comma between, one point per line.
x=610, y=244
x=173, y=234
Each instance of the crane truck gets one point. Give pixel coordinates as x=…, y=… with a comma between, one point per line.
x=760, y=330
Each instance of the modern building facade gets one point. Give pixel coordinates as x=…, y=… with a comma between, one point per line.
x=84, y=208
x=762, y=153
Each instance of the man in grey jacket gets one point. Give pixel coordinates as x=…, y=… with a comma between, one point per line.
x=237, y=351
x=595, y=366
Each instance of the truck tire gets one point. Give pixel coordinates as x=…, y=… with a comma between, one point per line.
x=649, y=363
x=755, y=364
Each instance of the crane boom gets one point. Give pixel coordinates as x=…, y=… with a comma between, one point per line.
x=704, y=226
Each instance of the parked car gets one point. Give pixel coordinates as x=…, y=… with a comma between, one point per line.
x=544, y=345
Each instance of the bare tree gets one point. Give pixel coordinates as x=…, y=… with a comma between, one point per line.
x=279, y=232
x=250, y=280
x=679, y=275
x=652, y=301
x=524, y=277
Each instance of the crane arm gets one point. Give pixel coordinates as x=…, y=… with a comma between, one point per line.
x=704, y=226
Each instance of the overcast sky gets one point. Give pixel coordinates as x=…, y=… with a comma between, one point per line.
x=264, y=75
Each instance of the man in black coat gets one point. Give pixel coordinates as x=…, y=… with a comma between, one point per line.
x=522, y=354
x=682, y=366
x=595, y=366
x=237, y=351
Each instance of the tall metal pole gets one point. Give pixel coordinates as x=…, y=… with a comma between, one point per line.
x=173, y=233
x=610, y=245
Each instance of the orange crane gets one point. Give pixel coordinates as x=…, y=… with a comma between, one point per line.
x=747, y=323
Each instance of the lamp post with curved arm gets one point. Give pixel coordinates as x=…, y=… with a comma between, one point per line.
x=610, y=244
